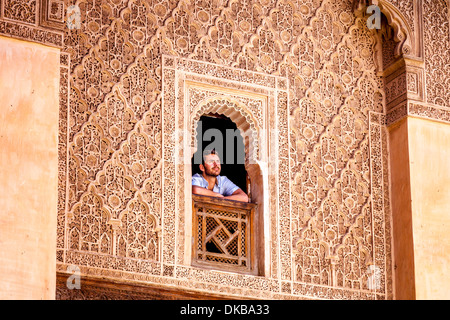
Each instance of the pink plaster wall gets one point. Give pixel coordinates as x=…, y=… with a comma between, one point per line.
x=29, y=84
x=429, y=149
x=420, y=197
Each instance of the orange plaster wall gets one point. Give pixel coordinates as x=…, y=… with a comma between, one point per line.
x=403, y=245
x=429, y=149
x=29, y=84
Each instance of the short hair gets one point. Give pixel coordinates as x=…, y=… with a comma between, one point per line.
x=207, y=152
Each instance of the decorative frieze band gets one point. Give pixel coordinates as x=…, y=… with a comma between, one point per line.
x=406, y=82
x=429, y=112
x=40, y=21
x=426, y=111
x=30, y=33
x=215, y=282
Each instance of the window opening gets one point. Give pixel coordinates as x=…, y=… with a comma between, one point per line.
x=211, y=129
x=223, y=230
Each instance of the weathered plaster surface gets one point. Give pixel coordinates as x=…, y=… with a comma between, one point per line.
x=29, y=75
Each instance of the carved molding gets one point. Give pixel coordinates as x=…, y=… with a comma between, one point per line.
x=405, y=19
x=404, y=81
x=419, y=110
x=25, y=20
x=331, y=184
x=30, y=33
x=53, y=14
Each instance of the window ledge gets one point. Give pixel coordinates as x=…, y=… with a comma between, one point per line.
x=223, y=202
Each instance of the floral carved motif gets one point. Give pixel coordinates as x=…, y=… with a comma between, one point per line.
x=120, y=185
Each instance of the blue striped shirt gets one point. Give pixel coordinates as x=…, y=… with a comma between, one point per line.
x=223, y=185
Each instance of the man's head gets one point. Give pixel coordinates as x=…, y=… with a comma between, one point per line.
x=210, y=163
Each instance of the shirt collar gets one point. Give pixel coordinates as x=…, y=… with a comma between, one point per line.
x=217, y=179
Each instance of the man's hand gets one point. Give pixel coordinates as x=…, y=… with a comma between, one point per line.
x=205, y=192
x=238, y=195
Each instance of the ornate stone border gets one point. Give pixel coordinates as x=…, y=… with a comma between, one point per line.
x=30, y=33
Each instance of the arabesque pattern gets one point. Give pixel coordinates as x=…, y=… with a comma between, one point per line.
x=337, y=151
x=114, y=169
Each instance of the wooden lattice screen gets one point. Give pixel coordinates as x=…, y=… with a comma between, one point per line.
x=224, y=234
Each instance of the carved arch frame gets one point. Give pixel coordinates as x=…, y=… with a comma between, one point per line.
x=405, y=78
x=404, y=28
x=258, y=104
x=407, y=26
x=238, y=113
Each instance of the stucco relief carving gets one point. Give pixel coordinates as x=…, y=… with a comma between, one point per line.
x=322, y=67
x=404, y=19
x=118, y=176
x=23, y=11
x=437, y=52
x=24, y=20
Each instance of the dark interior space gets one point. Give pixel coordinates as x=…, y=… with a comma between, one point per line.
x=233, y=163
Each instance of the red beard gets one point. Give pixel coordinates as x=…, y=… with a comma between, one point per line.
x=214, y=172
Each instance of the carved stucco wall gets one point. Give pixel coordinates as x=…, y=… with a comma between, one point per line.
x=335, y=219
x=437, y=52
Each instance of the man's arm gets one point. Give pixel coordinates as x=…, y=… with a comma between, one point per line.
x=205, y=192
x=238, y=195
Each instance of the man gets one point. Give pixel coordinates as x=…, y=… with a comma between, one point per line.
x=210, y=183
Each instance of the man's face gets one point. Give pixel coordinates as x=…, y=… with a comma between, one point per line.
x=211, y=166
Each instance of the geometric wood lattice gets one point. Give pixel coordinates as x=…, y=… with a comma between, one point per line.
x=223, y=234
